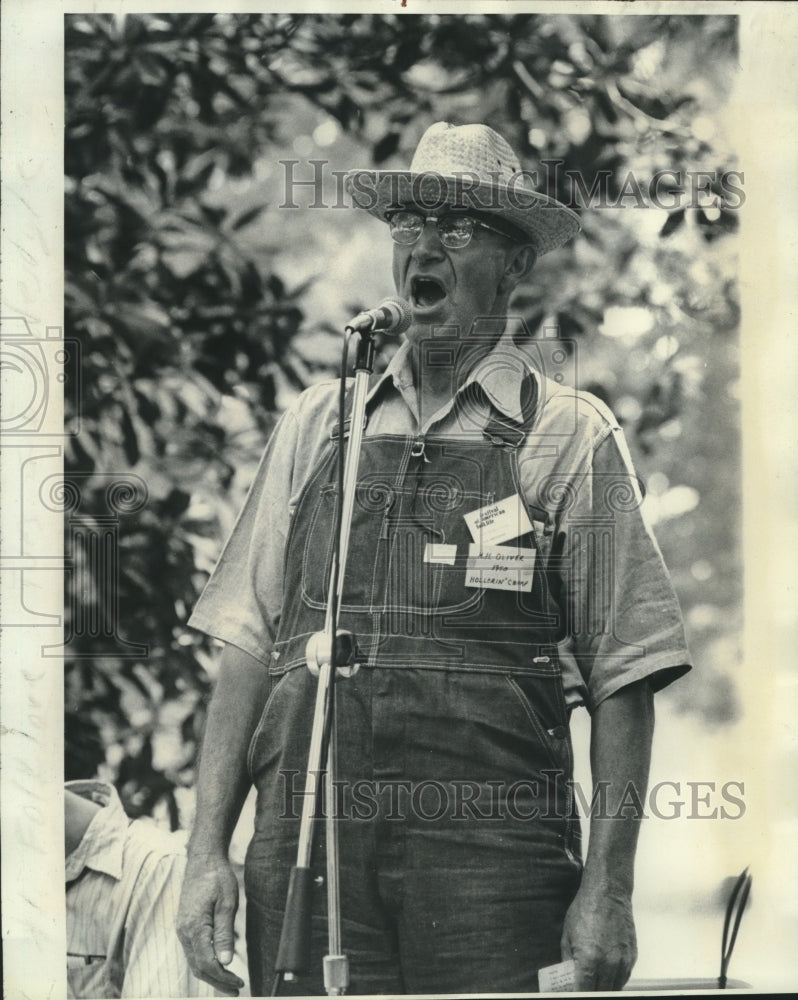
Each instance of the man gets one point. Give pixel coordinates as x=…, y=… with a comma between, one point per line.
x=122, y=889
x=499, y=574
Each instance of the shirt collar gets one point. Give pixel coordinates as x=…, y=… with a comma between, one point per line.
x=500, y=374
x=102, y=844
x=398, y=372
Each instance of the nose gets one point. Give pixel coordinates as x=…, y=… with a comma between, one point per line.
x=428, y=246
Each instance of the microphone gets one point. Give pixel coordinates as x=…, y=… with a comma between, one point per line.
x=390, y=316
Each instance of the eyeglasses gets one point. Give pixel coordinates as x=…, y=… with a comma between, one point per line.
x=454, y=230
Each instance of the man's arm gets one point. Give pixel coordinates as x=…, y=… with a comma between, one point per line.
x=209, y=899
x=599, y=931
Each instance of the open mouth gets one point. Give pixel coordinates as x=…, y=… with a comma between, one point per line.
x=426, y=292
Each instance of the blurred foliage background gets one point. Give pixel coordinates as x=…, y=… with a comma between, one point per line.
x=203, y=307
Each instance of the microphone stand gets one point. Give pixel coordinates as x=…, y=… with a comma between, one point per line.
x=330, y=653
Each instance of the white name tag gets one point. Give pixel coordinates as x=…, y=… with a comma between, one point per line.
x=497, y=522
x=560, y=978
x=438, y=553
x=500, y=567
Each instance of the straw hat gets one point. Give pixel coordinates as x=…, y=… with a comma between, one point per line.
x=467, y=166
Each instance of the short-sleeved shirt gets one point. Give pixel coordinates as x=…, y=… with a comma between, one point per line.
x=123, y=884
x=623, y=617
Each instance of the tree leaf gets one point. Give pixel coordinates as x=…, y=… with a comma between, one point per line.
x=673, y=222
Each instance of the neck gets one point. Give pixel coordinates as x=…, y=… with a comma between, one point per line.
x=438, y=383
x=78, y=813
x=435, y=386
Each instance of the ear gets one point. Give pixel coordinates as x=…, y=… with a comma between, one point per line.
x=520, y=262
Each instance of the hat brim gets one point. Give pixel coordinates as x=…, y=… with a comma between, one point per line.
x=546, y=222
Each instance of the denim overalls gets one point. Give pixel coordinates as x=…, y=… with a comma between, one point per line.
x=459, y=842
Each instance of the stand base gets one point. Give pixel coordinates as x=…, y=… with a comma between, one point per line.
x=336, y=974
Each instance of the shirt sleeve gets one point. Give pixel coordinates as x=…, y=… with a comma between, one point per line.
x=624, y=621
x=154, y=962
x=242, y=601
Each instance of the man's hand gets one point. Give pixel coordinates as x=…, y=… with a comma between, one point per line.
x=208, y=905
x=209, y=900
x=599, y=932
x=599, y=935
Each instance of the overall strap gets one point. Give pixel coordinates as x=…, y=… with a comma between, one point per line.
x=348, y=403
x=334, y=428
x=507, y=432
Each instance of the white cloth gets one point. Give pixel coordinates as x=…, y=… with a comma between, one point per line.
x=123, y=885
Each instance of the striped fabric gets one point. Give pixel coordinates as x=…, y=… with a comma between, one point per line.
x=122, y=890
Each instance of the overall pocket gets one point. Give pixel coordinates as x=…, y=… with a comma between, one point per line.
x=361, y=577
x=553, y=738
x=429, y=549
x=543, y=702
x=275, y=682
x=280, y=740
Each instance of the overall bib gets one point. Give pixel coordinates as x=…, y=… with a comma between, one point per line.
x=459, y=842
